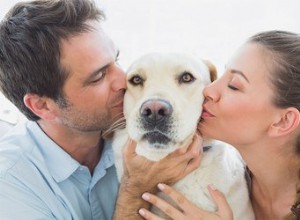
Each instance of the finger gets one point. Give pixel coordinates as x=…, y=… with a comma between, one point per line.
x=193, y=150
x=193, y=164
x=194, y=154
x=195, y=147
x=128, y=154
x=178, y=198
x=187, y=147
x=224, y=209
x=189, y=210
x=175, y=195
x=162, y=205
x=129, y=149
x=148, y=215
x=181, y=150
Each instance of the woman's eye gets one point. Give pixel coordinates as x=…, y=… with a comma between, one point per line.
x=186, y=77
x=136, y=80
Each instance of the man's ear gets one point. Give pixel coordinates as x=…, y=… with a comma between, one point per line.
x=41, y=106
x=287, y=122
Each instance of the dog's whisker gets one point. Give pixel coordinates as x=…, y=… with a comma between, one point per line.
x=118, y=124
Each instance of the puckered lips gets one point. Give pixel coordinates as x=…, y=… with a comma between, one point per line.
x=206, y=113
x=117, y=102
x=118, y=105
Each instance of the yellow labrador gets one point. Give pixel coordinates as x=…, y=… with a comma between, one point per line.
x=162, y=106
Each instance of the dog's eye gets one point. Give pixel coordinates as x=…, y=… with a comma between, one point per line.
x=186, y=77
x=136, y=80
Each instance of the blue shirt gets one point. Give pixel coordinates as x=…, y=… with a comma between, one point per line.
x=39, y=180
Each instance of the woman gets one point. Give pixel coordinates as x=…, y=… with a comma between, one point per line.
x=255, y=107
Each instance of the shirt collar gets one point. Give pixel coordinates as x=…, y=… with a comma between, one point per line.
x=59, y=163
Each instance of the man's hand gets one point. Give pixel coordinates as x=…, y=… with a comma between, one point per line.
x=146, y=174
x=141, y=175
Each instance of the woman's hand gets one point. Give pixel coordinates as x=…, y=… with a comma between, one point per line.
x=187, y=210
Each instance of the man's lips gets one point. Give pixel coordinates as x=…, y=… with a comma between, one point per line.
x=118, y=105
x=117, y=102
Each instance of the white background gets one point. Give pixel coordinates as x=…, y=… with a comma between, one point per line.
x=210, y=29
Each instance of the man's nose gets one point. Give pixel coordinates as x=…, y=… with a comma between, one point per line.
x=119, y=81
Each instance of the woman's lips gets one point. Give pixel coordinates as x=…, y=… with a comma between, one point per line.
x=206, y=113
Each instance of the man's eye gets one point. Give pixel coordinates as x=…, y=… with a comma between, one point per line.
x=186, y=77
x=100, y=76
x=136, y=80
x=232, y=87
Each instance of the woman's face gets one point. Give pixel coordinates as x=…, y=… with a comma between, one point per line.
x=238, y=107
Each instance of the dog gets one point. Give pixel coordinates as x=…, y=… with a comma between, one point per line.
x=162, y=107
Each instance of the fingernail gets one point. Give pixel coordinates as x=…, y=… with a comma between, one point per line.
x=212, y=187
x=161, y=186
x=145, y=196
x=141, y=212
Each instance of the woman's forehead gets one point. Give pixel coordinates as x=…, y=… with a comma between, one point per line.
x=252, y=59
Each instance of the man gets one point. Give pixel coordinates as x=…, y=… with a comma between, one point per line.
x=60, y=69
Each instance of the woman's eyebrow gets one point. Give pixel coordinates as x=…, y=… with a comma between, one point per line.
x=239, y=73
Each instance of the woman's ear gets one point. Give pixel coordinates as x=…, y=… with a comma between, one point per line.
x=287, y=122
x=40, y=106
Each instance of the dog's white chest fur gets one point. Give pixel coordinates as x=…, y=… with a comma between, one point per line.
x=162, y=106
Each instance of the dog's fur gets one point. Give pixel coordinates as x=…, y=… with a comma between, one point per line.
x=162, y=106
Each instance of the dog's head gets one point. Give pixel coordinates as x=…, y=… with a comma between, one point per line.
x=163, y=101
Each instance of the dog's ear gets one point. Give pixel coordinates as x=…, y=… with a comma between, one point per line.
x=212, y=70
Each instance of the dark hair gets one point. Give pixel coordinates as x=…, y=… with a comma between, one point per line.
x=30, y=38
x=285, y=51
x=284, y=48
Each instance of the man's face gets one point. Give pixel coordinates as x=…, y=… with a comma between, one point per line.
x=96, y=84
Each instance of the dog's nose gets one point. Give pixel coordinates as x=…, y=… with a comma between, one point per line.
x=155, y=110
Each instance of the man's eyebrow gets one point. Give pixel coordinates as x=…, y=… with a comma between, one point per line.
x=118, y=54
x=239, y=73
x=93, y=74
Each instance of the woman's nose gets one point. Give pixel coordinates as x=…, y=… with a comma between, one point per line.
x=211, y=92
